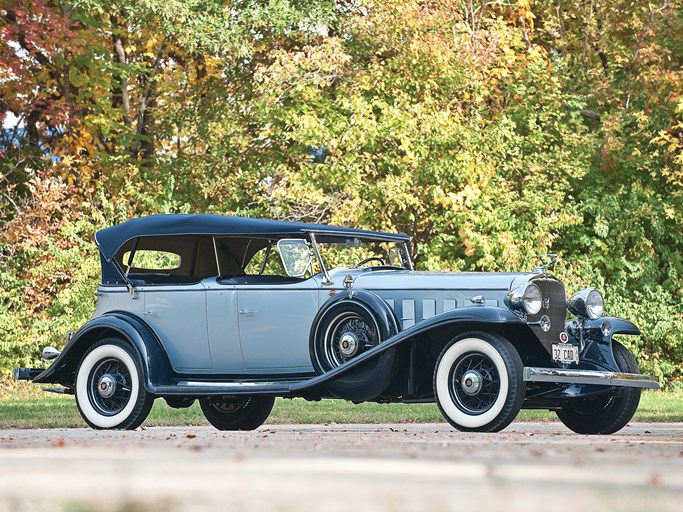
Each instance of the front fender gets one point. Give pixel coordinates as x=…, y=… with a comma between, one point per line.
x=155, y=365
x=598, y=349
x=452, y=322
x=619, y=325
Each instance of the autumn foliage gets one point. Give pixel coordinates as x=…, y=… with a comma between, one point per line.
x=491, y=132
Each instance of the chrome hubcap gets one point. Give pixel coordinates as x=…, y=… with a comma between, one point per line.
x=348, y=335
x=348, y=344
x=106, y=386
x=471, y=382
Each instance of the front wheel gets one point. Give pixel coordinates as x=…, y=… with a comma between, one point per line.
x=478, y=382
x=109, y=389
x=610, y=413
x=242, y=414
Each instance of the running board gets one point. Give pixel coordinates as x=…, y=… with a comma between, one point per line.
x=204, y=388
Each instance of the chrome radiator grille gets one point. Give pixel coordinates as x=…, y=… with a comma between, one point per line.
x=554, y=306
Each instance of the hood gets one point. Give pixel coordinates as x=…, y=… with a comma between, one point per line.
x=407, y=280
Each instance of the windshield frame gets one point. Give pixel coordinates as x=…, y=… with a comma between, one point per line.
x=327, y=279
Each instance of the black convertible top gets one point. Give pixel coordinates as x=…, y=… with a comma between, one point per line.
x=109, y=240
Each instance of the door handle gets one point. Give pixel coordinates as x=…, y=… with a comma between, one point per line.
x=246, y=312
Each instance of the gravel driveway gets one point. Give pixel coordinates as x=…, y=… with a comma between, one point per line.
x=350, y=468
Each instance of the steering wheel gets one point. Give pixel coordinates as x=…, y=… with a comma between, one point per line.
x=368, y=260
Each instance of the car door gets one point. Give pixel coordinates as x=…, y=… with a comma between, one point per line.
x=167, y=272
x=224, y=339
x=276, y=307
x=274, y=319
x=177, y=313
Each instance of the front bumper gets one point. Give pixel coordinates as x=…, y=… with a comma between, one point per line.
x=602, y=378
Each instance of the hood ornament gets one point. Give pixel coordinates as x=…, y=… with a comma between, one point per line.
x=548, y=266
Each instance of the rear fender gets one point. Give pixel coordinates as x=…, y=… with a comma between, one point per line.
x=155, y=365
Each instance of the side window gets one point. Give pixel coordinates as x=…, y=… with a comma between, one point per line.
x=296, y=256
x=172, y=260
x=266, y=262
x=258, y=260
x=152, y=260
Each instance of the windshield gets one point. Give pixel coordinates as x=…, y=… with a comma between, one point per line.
x=361, y=252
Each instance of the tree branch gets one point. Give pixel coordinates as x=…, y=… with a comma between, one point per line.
x=122, y=90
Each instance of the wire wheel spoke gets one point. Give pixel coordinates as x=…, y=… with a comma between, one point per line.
x=349, y=336
x=474, y=383
x=109, y=389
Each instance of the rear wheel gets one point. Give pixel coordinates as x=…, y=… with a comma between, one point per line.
x=610, y=413
x=109, y=389
x=478, y=382
x=242, y=414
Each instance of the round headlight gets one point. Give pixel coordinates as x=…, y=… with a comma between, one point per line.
x=587, y=303
x=595, y=306
x=532, y=299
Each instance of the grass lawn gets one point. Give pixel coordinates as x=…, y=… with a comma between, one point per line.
x=56, y=411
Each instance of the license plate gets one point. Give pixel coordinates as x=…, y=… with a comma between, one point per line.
x=565, y=353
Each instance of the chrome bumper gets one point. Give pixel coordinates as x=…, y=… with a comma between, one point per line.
x=560, y=376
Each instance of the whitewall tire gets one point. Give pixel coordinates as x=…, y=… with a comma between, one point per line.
x=110, y=393
x=478, y=383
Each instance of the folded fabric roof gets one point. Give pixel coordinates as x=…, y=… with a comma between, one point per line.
x=109, y=240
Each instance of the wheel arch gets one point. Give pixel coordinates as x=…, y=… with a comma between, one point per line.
x=599, y=347
x=424, y=342
x=154, y=362
x=434, y=334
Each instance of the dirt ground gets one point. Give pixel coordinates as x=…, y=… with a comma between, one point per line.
x=396, y=467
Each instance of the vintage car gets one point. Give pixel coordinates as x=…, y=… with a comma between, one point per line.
x=234, y=312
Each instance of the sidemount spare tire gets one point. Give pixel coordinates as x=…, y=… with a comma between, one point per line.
x=348, y=325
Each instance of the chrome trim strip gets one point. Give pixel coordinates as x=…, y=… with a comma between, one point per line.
x=237, y=385
x=602, y=378
x=215, y=253
x=198, y=388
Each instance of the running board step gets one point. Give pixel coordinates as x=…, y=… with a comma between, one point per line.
x=203, y=388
